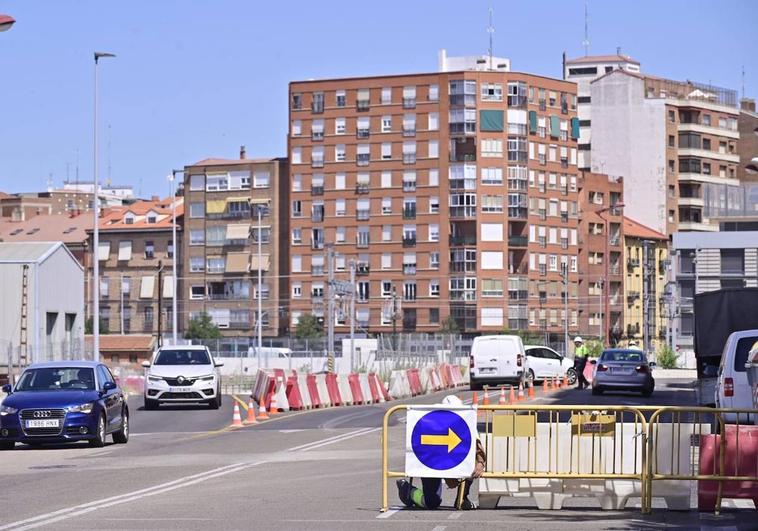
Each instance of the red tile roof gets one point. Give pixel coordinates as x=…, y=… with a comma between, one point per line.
x=113, y=218
x=636, y=229
x=229, y=162
x=602, y=59
x=48, y=228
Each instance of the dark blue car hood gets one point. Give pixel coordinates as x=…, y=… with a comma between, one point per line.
x=49, y=399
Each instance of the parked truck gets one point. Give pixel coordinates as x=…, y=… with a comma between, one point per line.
x=717, y=315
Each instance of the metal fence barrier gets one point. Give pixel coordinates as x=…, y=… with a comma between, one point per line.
x=621, y=452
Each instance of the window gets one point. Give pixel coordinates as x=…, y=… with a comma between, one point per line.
x=434, y=205
x=434, y=233
x=434, y=260
x=409, y=152
x=339, y=153
x=493, y=176
x=149, y=249
x=197, y=210
x=434, y=177
x=434, y=121
x=386, y=260
x=297, y=128
x=386, y=233
x=297, y=289
x=363, y=154
x=732, y=261
x=434, y=92
x=297, y=155
x=386, y=206
x=434, y=149
x=339, y=98
x=386, y=150
x=339, y=207
x=492, y=288
x=492, y=203
x=217, y=182
x=434, y=315
x=197, y=182
x=197, y=264
x=386, y=124
x=363, y=237
x=197, y=237
x=517, y=94
x=339, y=126
x=317, y=102
x=297, y=235
x=434, y=288
x=492, y=147
x=386, y=95
x=297, y=209
x=261, y=179
x=216, y=264
x=340, y=235
x=297, y=263
x=409, y=291
x=386, y=288
x=492, y=260
x=363, y=291
x=462, y=121
x=492, y=92
x=197, y=292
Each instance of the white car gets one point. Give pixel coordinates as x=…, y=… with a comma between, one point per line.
x=497, y=360
x=732, y=387
x=546, y=363
x=182, y=374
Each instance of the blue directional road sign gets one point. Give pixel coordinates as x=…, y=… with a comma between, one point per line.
x=440, y=442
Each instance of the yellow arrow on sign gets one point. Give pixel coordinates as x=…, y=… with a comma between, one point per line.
x=451, y=440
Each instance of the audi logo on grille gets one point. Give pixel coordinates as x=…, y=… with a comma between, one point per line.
x=42, y=414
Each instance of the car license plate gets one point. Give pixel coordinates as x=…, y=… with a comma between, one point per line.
x=622, y=371
x=181, y=389
x=43, y=423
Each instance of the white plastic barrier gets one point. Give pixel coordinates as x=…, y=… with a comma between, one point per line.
x=345, y=392
x=280, y=394
x=399, y=386
x=323, y=391
x=423, y=376
x=368, y=398
x=305, y=395
x=611, y=494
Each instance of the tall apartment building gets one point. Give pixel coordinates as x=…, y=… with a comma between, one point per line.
x=645, y=270
x=748, y=146
x=707, y=262
x=601, y=278
x=135, y=241
x=675, y=143
x=454, y=193
x=582, y=71
x=223, y=198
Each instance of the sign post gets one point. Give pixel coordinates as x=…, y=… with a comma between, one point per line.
x=440, y=442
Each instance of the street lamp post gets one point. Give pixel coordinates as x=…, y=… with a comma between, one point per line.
x=96, y=232
x=174, y=317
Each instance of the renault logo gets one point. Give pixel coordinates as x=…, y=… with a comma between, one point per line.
x=180, y=380
x=42, y=414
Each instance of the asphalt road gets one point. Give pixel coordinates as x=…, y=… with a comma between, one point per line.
x=318, y=469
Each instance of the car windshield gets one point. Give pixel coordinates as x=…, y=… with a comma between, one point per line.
x=57, y=379
x=182, y=357
x=632, y=357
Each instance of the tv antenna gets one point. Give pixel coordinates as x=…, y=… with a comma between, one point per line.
x=586, y=41
x=491, y=32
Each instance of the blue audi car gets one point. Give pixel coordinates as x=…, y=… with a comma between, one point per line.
x=63, y=401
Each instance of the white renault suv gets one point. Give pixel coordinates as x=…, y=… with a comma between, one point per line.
x=182, y=374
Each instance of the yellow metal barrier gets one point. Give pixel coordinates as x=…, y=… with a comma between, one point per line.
x=535, y=442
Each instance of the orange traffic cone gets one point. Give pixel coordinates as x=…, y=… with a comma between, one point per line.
x=545, y=387
x=556, y=383
x=475, y=400
x=501, y=401
x=262, y=415
x=512, y=396
x=250, y=414
x=521, y=391
x=486, y=399
x=531, y=389
x=272, y=409
x=565, y=381
x=236, y=418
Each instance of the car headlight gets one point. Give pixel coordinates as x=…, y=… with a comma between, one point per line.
x=208, y=378
x=155, y=378
x=81, y=408
x=7, y=410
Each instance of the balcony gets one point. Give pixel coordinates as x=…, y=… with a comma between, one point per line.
x=362, y=215
x=463, y=212
x=463, y=267
x=317, y=244
x=317, y=190
x=234, y=214
x=409, y=158
x=632, y=263
x=409, y=132
x=362, y=105
x=317, y=107
x=409, y=213
x=317, y=163
x=409, y=269
x=409, y=186
x=317, y=217
x=518, y=213
x=409, y=241
x=362, y=133
x=614, y=269
x=363, y=243
x=632, y=296
x=518, y=241
x=361, y=188
x=362, y=269
x=363, y=159
x=317, y=135
x=409, y=103
x=462, y=240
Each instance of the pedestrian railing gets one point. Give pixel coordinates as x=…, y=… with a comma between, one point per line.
x=616, y=453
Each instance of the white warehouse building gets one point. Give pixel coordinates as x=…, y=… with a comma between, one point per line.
x=44, y=281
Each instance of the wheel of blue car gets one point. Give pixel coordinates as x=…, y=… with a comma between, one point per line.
x=7, y=445
x=122, y=436
x=99, y=440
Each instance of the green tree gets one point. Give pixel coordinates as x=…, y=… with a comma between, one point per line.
x=449, y=325
x=666, y=358
x=202, y=327
x=89, y=326
x=308, y=327
x=594, y=348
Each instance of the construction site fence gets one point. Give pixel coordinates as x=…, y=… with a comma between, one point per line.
x=614, y=453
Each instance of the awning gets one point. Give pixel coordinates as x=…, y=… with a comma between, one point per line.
x=242, y=199
x=147, y=287
x=168, y=287
x=262, y=265
x=237, y=262
x=216, y=206
x=238, y=232
x=103, y=251
x=125, y=250
x=259, y=201
x=491, y=120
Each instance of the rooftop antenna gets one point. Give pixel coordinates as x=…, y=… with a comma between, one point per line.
x=76, y=181
x=743, y=82
x=490, y=31
x=586, y=41
x=109, y=154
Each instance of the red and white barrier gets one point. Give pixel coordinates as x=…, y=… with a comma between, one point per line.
x=374, y=386
x=305, y=395
x=368, y=396
x=355, y=389
x=346, y=393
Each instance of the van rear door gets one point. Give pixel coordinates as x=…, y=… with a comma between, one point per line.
x=509, y=350
x=486, y=358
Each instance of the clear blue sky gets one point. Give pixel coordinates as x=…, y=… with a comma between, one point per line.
x=199, y=78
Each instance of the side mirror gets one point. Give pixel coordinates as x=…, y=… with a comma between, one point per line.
x=7, y=389
x=146, y=364
x=218, y=363
x=652, y=365
x=108, y=386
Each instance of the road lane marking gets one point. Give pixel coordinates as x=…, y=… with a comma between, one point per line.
x=240, y=401
x=388, y=512
x=439, y=528
x=78, y=510
x=454, y=516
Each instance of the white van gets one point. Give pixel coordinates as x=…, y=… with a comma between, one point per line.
x=497, y=360
x=732, y=387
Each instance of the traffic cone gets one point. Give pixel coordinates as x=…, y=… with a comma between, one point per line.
x=556, y=383
x=250, y=414
x=236, y=418
x=262, y=415
x=545, y=387
x=521, y=391
x=502, y=401
x=486, y=399
x=565, y=381
x=475, y=400
x=531, y=389
x=512, y=396
x=272, y=409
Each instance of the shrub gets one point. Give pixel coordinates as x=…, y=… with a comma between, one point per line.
x=666, y=358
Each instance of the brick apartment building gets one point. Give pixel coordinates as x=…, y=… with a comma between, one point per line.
x=601, y=280
x=135, y=240
x=456, y=191
x=221, y=261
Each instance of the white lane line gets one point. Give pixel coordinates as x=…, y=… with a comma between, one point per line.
x=78, y=510
x=454, y=516
x=439, y=528
x=388, y=512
